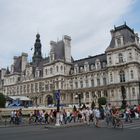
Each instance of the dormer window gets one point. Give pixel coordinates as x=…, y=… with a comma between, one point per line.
x=119, y=41
x=86, y=66
x=104, y=64
x=98, y=64
x=81, y=69
x=92, y=67
x=76, y=69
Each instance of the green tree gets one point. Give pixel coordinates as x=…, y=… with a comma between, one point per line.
x=102, y=101
x=2, y=100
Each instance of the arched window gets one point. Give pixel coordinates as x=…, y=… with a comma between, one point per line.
x=120, y=58
x=122, y=76
x=87, y=95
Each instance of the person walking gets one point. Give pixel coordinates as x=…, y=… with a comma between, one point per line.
x=97, y=116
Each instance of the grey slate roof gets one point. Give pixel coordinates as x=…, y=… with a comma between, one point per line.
x=127, y=33
x=91, y=60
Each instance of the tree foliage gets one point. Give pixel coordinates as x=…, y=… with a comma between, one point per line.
x=102, y=101
x=2, y=100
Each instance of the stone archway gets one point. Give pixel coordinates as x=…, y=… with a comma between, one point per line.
x=49, y=100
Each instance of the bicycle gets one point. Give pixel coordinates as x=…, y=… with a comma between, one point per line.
x=117, y=123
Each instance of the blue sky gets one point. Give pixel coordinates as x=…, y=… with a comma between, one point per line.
x=88, y=22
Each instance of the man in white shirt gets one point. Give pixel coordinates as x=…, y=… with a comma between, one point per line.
x=97, y=116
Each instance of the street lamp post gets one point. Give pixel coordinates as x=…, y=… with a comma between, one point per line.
x=78, y=96
x=58, y=108
x=123, y=97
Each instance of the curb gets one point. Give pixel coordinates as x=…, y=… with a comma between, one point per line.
x=46, y=126
x=66, y=126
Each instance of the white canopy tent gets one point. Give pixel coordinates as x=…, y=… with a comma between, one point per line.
x=21, y=98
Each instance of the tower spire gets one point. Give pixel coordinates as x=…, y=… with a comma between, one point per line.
x=37, y=50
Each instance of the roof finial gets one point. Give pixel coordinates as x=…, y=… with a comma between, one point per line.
x=124, y=22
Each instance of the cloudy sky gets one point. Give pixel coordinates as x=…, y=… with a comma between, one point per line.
x=88, y=22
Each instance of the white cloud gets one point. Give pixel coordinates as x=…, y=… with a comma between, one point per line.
x=88, y=22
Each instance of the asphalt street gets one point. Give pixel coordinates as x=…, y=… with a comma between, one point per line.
x=71, y=133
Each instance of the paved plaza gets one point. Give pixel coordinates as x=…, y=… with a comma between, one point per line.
x=71, y=131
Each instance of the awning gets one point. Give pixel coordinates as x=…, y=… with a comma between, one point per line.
x=21, y=98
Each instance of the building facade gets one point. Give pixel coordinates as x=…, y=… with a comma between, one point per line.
x=113, y=74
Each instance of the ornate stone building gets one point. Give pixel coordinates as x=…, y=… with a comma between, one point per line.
x=113, y=74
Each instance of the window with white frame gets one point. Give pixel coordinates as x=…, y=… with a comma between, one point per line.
x=81, y=84
x=112, y=93
x=61, y=68
x=111, y=77
x=76, y=84
x=87, y=83
x=46, y=71
x=92, y=67
x=92, y=82
x=57, y=68
x=87, y=95
x=133, y=92
x=132, y=74
x=98, y=82
x=122, y=76
x=98, y=65
x=51, y=70
x=110, y=60
x=120, y=55
x=118, y=40
x=104, y=81
x=130, y=55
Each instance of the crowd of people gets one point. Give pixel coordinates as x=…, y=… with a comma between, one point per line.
x=83, y=114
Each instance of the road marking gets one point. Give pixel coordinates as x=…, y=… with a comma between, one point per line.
x=136, y=127
x=133, y=125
